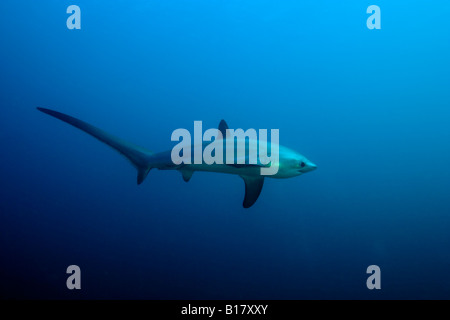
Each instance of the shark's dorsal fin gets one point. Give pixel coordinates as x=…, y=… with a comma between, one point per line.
x=253, y=187
x=223, y=128
x=187, y=174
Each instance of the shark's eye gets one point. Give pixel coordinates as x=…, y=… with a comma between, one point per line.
x=302, y=164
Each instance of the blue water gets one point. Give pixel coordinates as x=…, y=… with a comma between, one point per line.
x=369, y=107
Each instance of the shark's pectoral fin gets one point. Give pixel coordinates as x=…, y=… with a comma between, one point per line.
x=253, y=187
x=187, y=174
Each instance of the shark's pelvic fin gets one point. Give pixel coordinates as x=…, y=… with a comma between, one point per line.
x=138, y=156
x=253, y=187
x=187, y=174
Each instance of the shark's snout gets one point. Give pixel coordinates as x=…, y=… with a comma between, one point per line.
x=309, y=167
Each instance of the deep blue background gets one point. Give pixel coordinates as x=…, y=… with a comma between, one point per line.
x=370, y=107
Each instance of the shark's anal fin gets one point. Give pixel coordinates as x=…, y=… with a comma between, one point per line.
x=253, y=187
x=187, y=174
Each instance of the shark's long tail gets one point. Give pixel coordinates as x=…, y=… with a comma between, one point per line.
x=138, y=156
